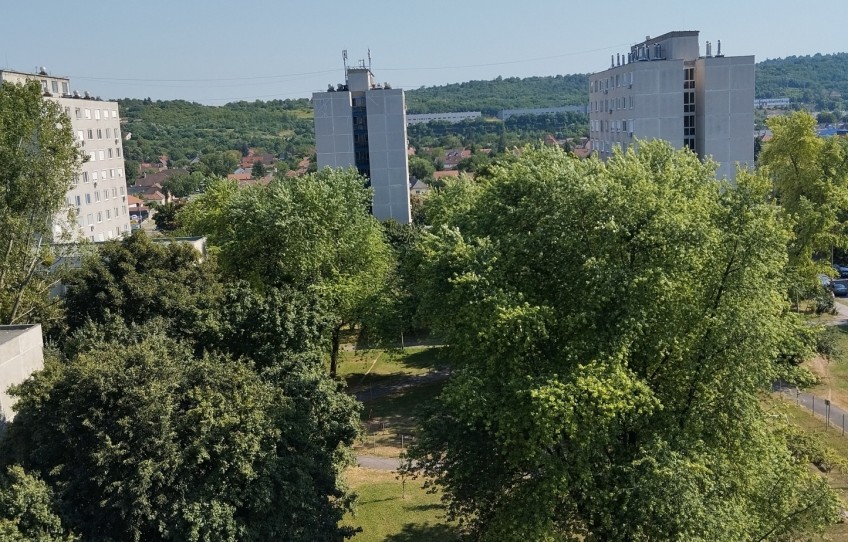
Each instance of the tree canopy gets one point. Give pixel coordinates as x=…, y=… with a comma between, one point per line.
x=611, y=326
x=314, y=233
x=38, y=160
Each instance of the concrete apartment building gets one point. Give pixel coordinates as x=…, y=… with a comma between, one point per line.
x=362, y=124
x=98, y=194
x=665, y=89
x=21, y=354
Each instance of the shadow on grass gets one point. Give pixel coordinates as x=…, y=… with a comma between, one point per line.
x=414, y=532
x=401, y=364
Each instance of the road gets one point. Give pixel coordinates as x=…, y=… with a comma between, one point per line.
x=838, y=417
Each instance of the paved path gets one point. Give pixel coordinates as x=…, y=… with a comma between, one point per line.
x=378, y=463
x=838, y=417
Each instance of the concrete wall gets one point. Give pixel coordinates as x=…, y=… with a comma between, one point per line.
x=334, y=129
x=724, y=88
x=386, y=109
x=21, y=354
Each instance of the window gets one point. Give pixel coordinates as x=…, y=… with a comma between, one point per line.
x=116, y=212
x=103, y=174
x=119, y=151
x=99, y=133
x=90, y=219
x=68, y=112
x=88, y=114
x=123, y=209
x=96, y=196
x=55, y=87
x=114, y=192
x=78, y=112
x=109, y=151
x=88, y=199
x=114, y=113
x=78, y=201
x=75, y=180
x=92, y=155
x=65, y=89
x=44, y=85
x=103, y=157
x=93, y=175
x=85, y=176
x=108, y=214
x=106, y=194
x=108, y=133
x=121, y=189
x=96, y=114
x=90, y=133
x=99, y=217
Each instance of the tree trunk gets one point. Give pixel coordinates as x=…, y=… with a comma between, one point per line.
x=334, y=354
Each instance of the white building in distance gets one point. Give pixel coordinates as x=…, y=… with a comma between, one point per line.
x=362, y=124
x=664, y=89
x=98, y=195
x=458, y=116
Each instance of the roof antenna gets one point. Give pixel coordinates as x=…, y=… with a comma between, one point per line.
x=344, y=61
x=369, y=59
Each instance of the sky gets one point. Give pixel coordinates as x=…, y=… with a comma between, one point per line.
x=214, y=52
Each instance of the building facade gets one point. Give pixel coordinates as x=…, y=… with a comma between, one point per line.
x=664, y=89
x=458, y=116
x=21, y=354
x=362, y=124
x=96, y=202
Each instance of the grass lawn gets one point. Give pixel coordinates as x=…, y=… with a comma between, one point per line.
x=833, y=374
x=364, y=368
x=388, y=512
x=833, y=439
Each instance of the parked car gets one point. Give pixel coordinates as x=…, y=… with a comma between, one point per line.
x=824, y=280
x=842, y=270
x=839, y=289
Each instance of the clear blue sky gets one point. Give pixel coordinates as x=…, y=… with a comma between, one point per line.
x=215, y=51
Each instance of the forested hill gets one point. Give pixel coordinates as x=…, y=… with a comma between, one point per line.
x=493, y=96
x=182, y=130
x=818, y=80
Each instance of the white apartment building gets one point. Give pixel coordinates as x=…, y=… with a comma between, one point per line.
x=362, y=124
x=98, y=194
x=665, y=89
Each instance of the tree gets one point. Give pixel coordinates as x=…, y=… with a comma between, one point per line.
x=221, y=163
x=166, y=217
x=38, y=159
x=313, y=233
x=136, y=281
x=421, y=168
x=143, y=441
x=182, y=185
x=258, y=170
x=28, y=510
x=611, y=326
x=810, y=177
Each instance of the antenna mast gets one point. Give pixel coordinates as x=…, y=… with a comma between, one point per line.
x=369, y=59
x=344, y=62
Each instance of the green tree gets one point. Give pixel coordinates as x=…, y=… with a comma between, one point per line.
x=221, y=163
x=166, y=217
x=611, y=326
x=136, y=281
x=182, y=185
x=28, y=510
x=421, y=168
x=810, y=177
x=258, y=170
x=38, y=160
x=143, y=441
x=312, y=232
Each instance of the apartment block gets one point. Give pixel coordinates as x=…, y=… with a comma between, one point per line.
x=362, y=124
x=663, y=88
x=97, y=195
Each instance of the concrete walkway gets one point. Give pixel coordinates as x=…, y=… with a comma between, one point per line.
x=378, y=463
x=836, y=416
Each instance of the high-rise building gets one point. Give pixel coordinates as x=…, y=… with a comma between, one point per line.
x=362, y=124
x=98, y=194
x=665, y=89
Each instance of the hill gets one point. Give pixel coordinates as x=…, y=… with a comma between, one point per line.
x=820, y=81
x=497, y=94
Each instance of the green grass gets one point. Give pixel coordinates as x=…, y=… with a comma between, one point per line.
x=389, y=512
x=365, y=368
x=831, y=438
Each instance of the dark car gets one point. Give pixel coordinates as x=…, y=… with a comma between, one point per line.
x=839, y=289
x=842, y=270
